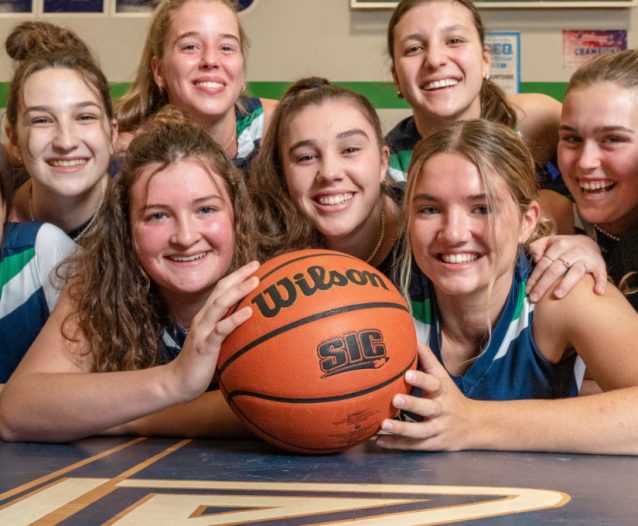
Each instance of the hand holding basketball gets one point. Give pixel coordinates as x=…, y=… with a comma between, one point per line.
x=447, y=414
x=193, y=369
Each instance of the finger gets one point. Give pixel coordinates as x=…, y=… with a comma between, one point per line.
x=422, y=406
x=540, y=268
x=547, y=280
x=569, y=280
x=236, y=277
x=406, y=444
x=428, y=383
x=228, y=325
x=428, y=360
x=420, y=430
x=538, y=248
x=218, y=304
x=600, y=279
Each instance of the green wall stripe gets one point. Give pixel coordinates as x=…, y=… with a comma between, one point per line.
x=382, y=95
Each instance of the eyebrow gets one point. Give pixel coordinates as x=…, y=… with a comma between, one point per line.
x=446, y=29
x=79, y=105
x=199, y=200
x=565, y=127
x=342, y=135
x=428, y=197
x=197, y=34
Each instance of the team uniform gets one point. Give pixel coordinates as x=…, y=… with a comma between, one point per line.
x=621, y=256
x=510, y=366
x=29, y=288
x=403, y=138
x=249, y=114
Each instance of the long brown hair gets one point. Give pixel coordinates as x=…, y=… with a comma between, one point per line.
x=493, y=148
x=281, y=225
x=144, y=98
x=494, y=104
x=119, y=310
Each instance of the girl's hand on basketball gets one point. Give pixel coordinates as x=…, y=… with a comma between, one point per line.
x=447, y=414
x=568, y=259
x=194, y=367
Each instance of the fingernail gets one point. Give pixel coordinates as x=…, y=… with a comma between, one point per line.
x=410, y=376
x=559, y=293
x=398, y=401
x=381, y=442
x=533, y=297
x=387, y=425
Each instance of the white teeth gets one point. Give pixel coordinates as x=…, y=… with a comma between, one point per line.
x=595, y=185
x=334, y=199
x=443, y=83
x=67, y=163
x=188, y=258
x=459, y=258
x=210, y=85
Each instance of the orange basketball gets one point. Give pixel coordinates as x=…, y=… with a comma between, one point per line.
x=315, y=368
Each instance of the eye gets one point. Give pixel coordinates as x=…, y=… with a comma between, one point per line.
x=413, y=49
x=189, y=47
x=482, y=209
x=305, y=158
x=208, y=209
x=427, y=210
x=570, y=138
x=39, y=120
x=351, y=150
x=612, y=140
x=228, y=48
x=455, y=41
x=155, y=216
x=88, y=117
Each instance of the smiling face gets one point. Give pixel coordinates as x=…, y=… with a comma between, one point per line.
x=182, y=225
x=439, y=61
x=63, y=135
x=450, y=229
x=202, y=67
x=334, y=165
x=598, y=154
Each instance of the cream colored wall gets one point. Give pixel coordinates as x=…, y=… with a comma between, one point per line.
x=295, y=38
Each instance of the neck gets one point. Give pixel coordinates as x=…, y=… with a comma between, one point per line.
x=427, y=122
x=364, y=241
x=67, y=212
x=183, y=308
x=223, y=131
x=619, y=228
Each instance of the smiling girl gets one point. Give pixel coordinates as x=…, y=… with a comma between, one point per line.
x=194, y=58
x=598, y=155
x=140, y=324
x=497, y=362
x=60, y=123
x=441, y=66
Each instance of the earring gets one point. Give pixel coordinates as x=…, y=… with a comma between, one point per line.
x=399, y=94
x=487, y=77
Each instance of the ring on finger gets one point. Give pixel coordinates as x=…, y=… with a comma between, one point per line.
x=565, y=263
x=585, y=265
x=546, y=256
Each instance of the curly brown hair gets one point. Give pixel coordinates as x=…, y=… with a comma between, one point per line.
x=119, y=310
x=282, y=227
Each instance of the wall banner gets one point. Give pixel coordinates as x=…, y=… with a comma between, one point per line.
x=580, y=45
x=505, y=48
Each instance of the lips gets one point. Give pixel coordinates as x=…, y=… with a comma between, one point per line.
x=439, y=84
x=596, y=186
x=335, y=199
x=67, y=163
x=209, y=85
x=457, y=259
x=188, y=259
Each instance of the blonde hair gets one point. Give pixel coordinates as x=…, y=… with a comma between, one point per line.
x=495, y=149
x=144, y=98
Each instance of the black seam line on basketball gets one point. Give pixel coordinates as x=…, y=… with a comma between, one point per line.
x=338, y=398
x=308, y=319
x=322, y=255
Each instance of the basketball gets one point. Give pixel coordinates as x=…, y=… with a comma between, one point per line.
x=315, y=368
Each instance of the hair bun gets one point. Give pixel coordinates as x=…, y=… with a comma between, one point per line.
x=33, y=38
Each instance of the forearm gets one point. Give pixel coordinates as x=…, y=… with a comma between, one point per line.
x=208, y=416
x=602, y=423
x=67, y=406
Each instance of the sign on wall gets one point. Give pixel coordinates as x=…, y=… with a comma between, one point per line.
x=505, y=48
x=580, y=45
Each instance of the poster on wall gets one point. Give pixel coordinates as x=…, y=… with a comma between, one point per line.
x=134, y=6
x=16, y=6
x=73, y=6
x=505, y=48
x=579, y=45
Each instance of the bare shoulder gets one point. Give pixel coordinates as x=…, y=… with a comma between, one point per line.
x=585, y=321
x=538, y=119
x=269, y=106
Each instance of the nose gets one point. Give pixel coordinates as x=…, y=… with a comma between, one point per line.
x=455, y=227
x=589, y=156
x=436, y=55
x=186, y=232
x=329, y=168
x=209, y=58
x=66, y=136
